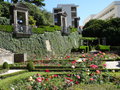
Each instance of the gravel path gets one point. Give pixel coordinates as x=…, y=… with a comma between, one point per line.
x=113, y=64
x=10, y=71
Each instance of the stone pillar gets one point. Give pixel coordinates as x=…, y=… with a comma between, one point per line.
x=15, y=17
x=26, y=21
x=26, y=18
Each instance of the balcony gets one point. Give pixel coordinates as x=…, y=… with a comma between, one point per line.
x=22, y=31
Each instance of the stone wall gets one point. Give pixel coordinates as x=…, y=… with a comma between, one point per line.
x=6, y=56
x=40, y=45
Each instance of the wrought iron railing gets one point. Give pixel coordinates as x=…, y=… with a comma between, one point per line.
x=22, y=29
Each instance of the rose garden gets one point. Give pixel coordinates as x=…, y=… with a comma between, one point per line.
x=51, y=57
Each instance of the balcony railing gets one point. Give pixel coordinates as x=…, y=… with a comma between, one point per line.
x=22, y=30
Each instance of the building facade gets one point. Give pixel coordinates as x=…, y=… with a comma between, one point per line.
x=111, y=11
x=70, y=10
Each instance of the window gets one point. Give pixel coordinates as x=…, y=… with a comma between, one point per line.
x=73, y=15
x=57, y=10
x=73, y=8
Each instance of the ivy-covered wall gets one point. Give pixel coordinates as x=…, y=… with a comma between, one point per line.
x=37, y=46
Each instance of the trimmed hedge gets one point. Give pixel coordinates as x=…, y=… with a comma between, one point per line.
x=30, y=66
x=73, y=29
x=85, y=48
x=6, y=28
x=103, y=47
x=5, y=65
x=42, y=29
x=12, y=74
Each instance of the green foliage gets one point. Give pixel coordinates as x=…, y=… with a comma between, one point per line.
x=32, y=21
x=4, y=21
x=5, y=65
x=5, y=83
x=43, y=29
x=4, y=9
x=12, y=74
x=6, y=28
x=30, y=66
x=104, y=28
x=35, y=46
x=89, y=38
x=36, y=2
x=42, y=17
x=103, y=47
x=105, y=86
x=85, y=48
x=72, y=29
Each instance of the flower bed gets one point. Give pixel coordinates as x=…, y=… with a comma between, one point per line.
x=90, y=69
x=57, y=82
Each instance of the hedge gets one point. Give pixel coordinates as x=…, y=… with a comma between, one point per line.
x=6, y=28
x=73, y=29
x=103, y=47
x=42, y=29
x=85, y=48
x=12, y=74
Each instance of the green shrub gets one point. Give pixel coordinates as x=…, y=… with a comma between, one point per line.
x=73, y=29
x=42, y=29
x=4, y=21
x=30, y=66
x=12, y=74
x=5, y=65
x=103, y=47
x=85, y=48
x=6, y=28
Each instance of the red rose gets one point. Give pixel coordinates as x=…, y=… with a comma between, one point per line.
x=76, y=82
x=73, y=62
x=39, y=79
x=97, y=71
x=47, y=70
x=55, y=75
x=91, y=79
x=93, y=66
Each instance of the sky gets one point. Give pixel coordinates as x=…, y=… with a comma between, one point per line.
x=86, y=7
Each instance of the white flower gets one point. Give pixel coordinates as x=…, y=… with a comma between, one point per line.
x=79, y=60
x=73, y=66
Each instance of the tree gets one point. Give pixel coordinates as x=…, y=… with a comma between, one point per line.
x=94, y=28
x=36, y=2
x=104, y=28
x=42, y=17
x=4, y=9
